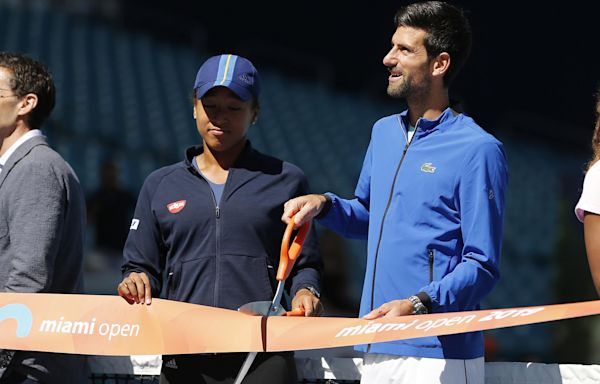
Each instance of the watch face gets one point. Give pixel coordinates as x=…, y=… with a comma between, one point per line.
x=419, y=310
x=418, y=307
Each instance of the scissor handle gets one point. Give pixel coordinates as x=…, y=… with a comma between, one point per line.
x=295, y=312
x=288, y=255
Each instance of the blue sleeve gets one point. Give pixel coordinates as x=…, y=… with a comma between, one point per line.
x=309, y=267
x=144, y=250
x=481, y=194
x=350, y=218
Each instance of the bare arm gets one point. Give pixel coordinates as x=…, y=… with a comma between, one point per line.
x=591, y=226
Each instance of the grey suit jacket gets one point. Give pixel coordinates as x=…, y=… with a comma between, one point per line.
x=42, y=224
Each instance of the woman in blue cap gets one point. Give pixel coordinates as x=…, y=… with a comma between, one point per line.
x=207, y=230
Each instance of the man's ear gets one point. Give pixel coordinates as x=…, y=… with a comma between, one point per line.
x=441, y=64
x=28, y=103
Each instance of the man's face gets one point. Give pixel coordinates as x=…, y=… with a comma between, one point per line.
x=408, y=64
x=9, y=104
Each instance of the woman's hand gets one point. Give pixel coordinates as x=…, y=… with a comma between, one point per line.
x=310, y=303
x=135, y=288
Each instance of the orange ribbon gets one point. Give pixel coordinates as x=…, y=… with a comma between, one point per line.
x=107, y=325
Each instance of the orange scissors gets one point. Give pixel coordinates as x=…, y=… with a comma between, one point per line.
x=287, y=258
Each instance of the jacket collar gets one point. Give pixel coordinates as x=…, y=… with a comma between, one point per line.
x=426, y=126
x=245, y=158
x=22, y=151
x=28, y=135
x=245, y=168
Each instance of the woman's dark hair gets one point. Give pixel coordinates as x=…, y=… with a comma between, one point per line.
x=596, y=134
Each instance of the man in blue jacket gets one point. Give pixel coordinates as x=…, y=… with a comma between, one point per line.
x=430, y=201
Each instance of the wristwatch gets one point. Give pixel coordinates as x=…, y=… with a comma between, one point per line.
x=312, y=290
x=418, y=307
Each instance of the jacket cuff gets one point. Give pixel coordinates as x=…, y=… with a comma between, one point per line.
x=326, y=207
x=307, y=277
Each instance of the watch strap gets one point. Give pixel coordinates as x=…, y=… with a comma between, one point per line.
x=312, y=290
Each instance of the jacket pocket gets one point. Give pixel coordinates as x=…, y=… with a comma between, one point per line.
x=272, y=273
x=193, y=281
x=242, y=279
x=431, y=261
x=172, y=280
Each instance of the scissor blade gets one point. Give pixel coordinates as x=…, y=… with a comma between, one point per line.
x=262, y=308
x=245, y=367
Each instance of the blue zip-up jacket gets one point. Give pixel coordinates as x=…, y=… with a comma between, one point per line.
x=432, y=211
x=222, y=256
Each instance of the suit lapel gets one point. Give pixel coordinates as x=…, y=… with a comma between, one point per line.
x=22, y=151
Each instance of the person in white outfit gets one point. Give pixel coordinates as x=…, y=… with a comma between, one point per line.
x=588, y=207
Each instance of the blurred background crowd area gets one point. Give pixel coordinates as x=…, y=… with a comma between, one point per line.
x=124, y=72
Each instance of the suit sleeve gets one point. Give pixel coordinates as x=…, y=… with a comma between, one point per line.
x=350, y=217
x=144, y=249
x=36, y=221
x=481, y=195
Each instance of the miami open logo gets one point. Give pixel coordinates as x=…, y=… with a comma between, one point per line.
x=21, y=314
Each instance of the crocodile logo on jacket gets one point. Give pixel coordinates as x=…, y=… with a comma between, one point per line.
x=428, y=168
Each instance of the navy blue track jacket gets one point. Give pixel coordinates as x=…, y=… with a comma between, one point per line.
x=222, y=256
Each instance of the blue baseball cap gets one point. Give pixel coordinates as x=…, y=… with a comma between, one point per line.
x=234, y=72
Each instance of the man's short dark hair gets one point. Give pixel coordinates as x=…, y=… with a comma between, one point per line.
x=31, y=76
x=447, y=29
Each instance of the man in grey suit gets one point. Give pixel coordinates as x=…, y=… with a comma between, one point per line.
x=42, y=214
